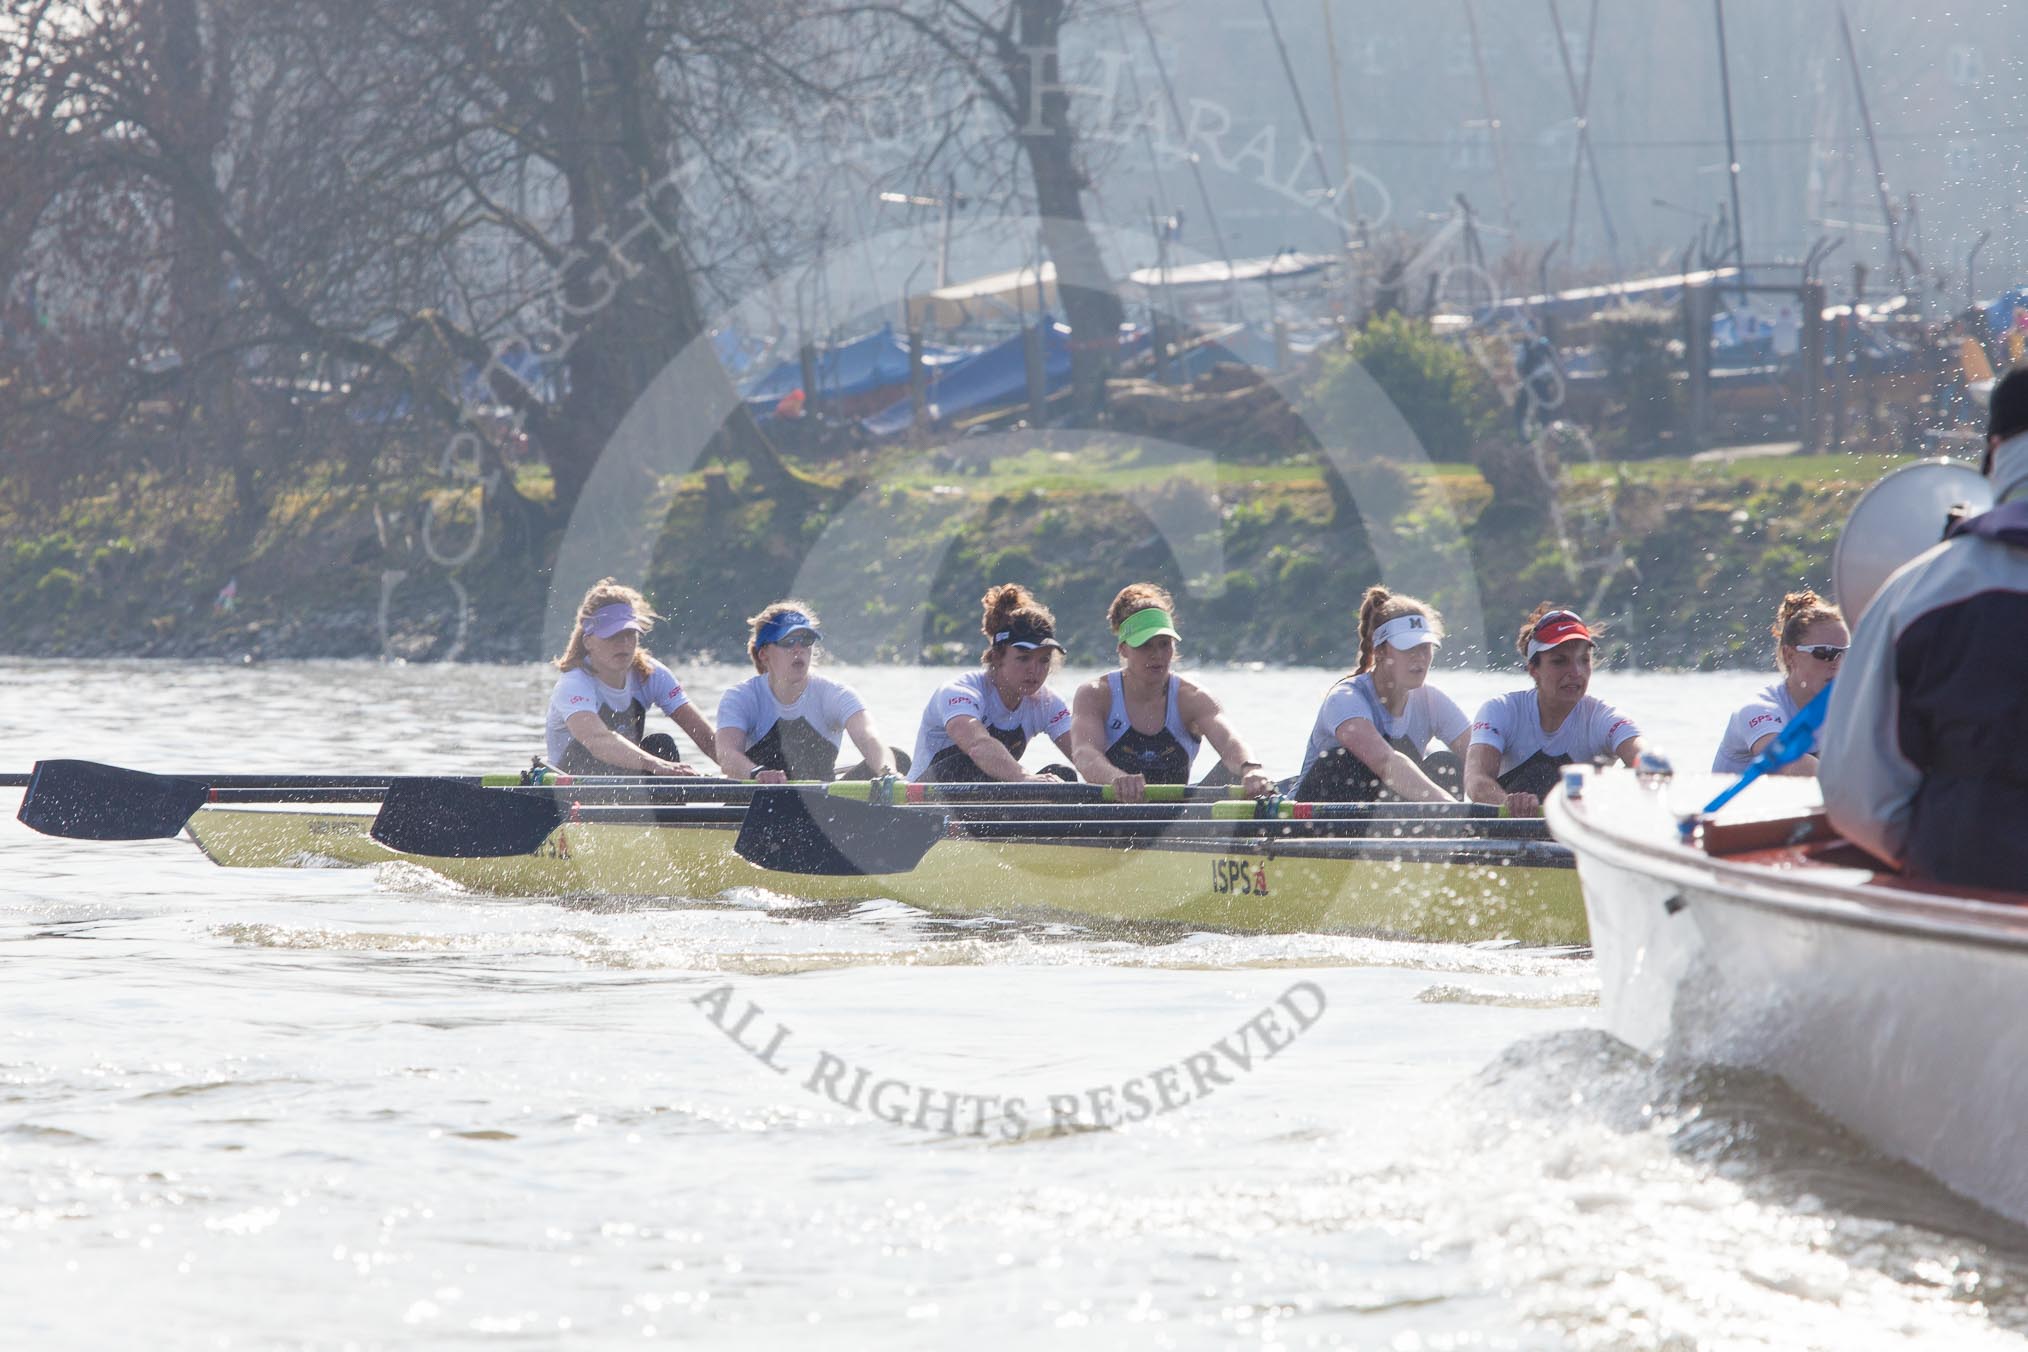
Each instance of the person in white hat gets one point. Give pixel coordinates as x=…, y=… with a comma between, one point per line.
x=598, y=712
x=1371, y=739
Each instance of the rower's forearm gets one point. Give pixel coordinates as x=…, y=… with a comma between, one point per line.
x=699, y=731
x=1232, y=752
x=996, y=761
x=874, y=752
x=1406, y=780
x=1483, y=789
x=620, y=753
x=1095, y=768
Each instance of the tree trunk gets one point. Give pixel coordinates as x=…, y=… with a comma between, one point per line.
x=1091, y=306
x=185, y=105
x=618, y=348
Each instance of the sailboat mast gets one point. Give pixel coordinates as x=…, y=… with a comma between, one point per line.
x=1492, y=119
x=1873, y=148
x=1344, y=129
x=1731, y=149
x=1303, y=112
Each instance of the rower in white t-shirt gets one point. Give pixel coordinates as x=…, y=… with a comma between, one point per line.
x=1371, y=738
x=977, y=727
x=1811, y=638
x=1522, y=740
x=598, y=712
x=787, y=722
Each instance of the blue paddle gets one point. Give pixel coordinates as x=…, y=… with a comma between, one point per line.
x=1789, y=745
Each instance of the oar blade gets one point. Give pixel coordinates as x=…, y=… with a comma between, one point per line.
x=84, y=800
x=800, y=831
x=450, y=820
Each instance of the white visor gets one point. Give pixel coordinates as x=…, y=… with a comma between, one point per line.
x=1405, y=632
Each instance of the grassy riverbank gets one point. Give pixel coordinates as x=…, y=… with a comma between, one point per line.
x=1684, y=561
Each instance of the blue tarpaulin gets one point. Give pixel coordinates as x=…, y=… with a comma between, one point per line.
x=873, y=361
x=987, y=379
x=2000, y=312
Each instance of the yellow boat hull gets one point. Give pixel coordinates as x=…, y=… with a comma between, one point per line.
x=1480, y=891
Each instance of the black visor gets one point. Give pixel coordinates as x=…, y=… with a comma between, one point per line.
x=1026, y=633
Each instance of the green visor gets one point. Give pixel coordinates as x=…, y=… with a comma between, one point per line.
x=1143, y=625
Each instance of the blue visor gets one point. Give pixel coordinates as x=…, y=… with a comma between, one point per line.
x=784, y=624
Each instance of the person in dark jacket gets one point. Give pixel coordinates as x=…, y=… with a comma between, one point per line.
x=1921, y=759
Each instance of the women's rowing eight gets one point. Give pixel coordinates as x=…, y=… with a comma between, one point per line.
x=1381, y=732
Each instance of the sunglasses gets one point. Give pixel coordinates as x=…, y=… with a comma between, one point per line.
x=1825, y=652
x=802, y=640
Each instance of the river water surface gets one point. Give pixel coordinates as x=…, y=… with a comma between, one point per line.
x=329, y=1108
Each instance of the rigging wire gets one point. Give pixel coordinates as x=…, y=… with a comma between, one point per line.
x=1309, y=132
x=1189, y=156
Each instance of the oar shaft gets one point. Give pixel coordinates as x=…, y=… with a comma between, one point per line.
x=1265, y=832
x=560, y=783
x=291, y=782
x=1053, y=822
x=258, y=781
x=1270, y=808
x=371, y=793
x=683, y=790
x=1022, y=791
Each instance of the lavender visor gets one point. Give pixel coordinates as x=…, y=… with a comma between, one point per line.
x=608, y=620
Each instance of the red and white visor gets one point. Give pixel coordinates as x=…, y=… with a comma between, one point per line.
x=1558, y=626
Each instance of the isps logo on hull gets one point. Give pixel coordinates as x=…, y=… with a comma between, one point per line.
x=1240, y=877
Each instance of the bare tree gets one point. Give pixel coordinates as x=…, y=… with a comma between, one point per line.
x=397, y=193
x=1011, y=54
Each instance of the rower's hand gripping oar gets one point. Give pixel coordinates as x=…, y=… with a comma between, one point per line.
x=1791, y=744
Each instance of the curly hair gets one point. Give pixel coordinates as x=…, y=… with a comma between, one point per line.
x=1001, y=606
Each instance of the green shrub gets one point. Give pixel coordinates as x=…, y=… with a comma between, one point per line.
x=1014, y=564
x=1302, y=575
x=34, y=556
x=59, y=586
x=1439, y=391
x=1635, y=344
